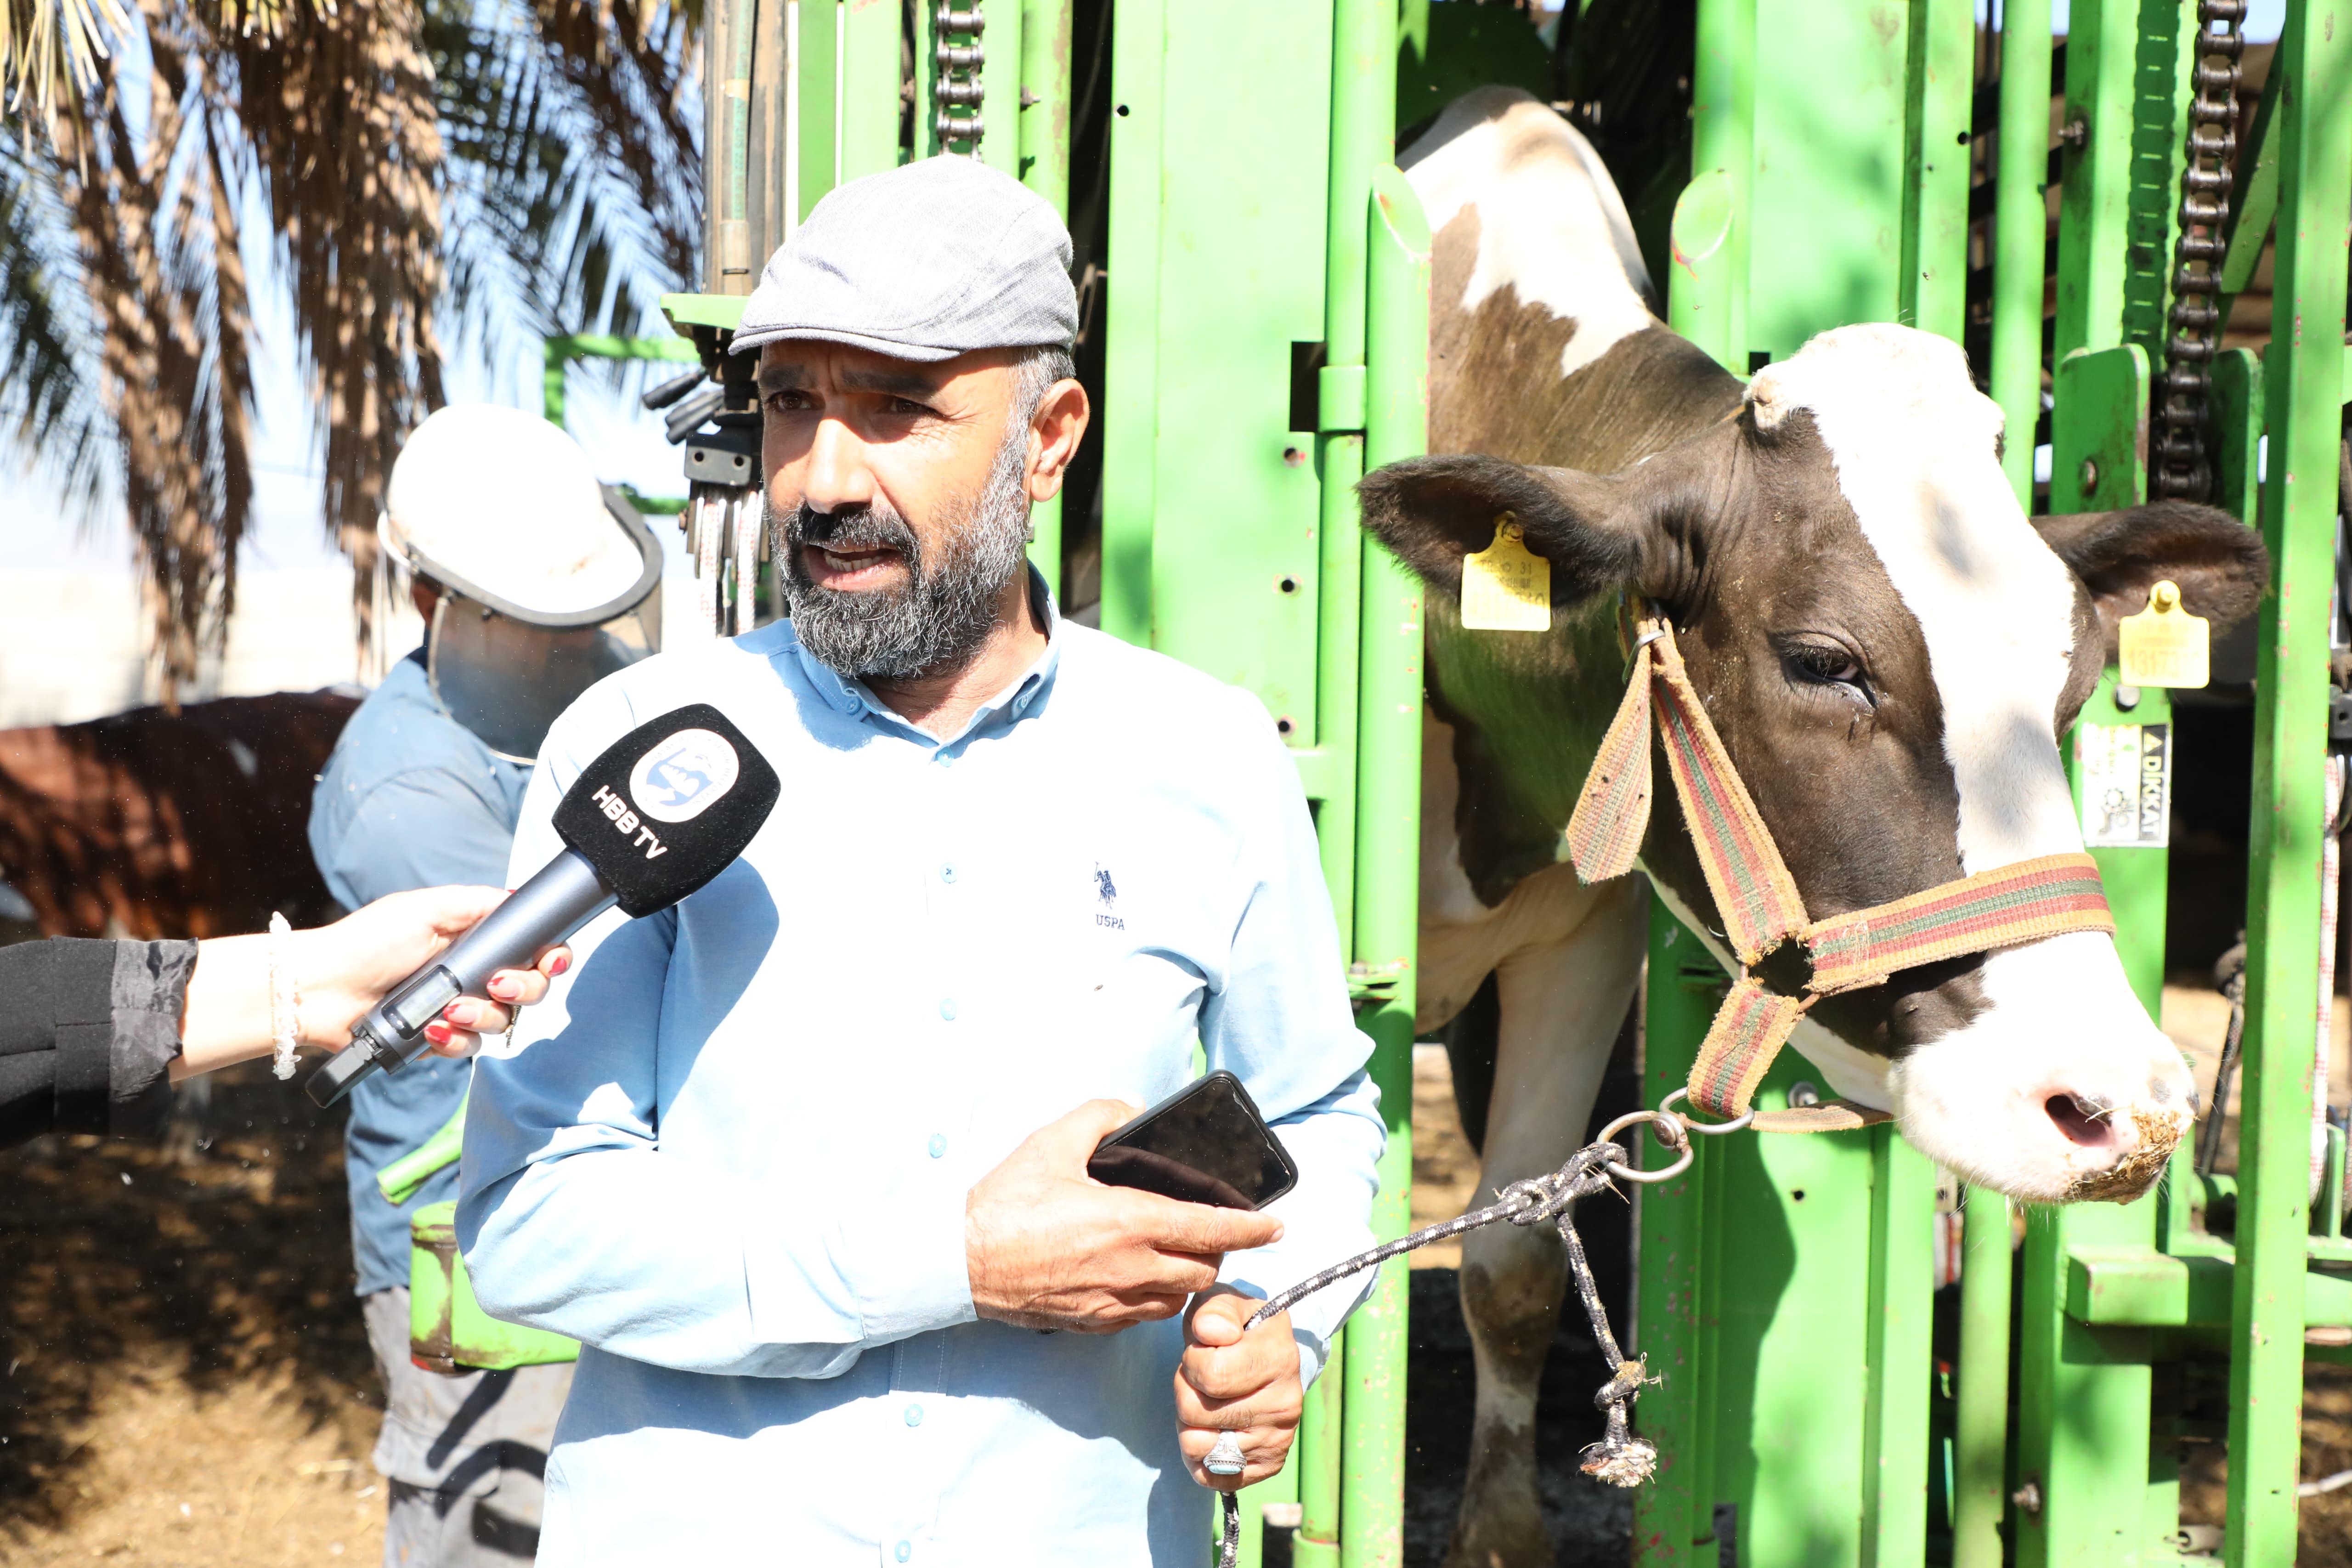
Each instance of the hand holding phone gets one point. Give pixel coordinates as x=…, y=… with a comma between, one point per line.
x=1046, y=1247
x=1206, y=1143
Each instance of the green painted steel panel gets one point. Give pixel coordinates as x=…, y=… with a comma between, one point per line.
x=1131, y=349
x=1829, y=167
x=1241, y=278
x=867, y=120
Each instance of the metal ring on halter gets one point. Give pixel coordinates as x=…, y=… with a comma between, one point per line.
x=1678, y=1138
x=1644, y=640
x=1710, y=1128
x=1620, y=1165
x=1226, y=1457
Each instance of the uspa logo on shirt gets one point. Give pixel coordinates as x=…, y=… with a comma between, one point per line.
x=683, y=775
x=1107, y=900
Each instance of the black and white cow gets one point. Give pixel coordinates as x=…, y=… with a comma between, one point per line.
x=1889, y=647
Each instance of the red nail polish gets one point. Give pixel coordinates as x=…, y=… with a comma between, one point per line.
x=438, y=1031
x=561, y=964
x=450, y=1011
x=504, y=989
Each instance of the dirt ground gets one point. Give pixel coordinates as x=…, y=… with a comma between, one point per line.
x=184, y=1378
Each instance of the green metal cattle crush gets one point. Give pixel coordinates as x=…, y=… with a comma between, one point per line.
x=1254, y=277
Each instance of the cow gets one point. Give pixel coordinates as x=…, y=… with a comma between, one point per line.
x=1890, y=649
x=156, y=823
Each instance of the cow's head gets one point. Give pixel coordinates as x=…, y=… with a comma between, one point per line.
x=1891, y=652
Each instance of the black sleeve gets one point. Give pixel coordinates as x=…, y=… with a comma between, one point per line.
x=88, y=1034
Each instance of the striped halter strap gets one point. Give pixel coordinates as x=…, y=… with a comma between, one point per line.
x=1758, y=899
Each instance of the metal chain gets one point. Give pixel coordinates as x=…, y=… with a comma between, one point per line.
x=2182, y=468
x=1620, y=1458
x=954, y=61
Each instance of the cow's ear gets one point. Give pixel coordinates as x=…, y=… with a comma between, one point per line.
x=2218, y=563
x=1431, y=511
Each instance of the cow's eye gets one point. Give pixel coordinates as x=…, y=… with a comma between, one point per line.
x=1822, y=662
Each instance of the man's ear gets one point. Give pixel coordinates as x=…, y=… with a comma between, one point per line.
x=2218, y=563
x=1431, y=511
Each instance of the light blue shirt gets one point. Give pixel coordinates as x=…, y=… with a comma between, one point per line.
x=411, y=798
x=733, y=1155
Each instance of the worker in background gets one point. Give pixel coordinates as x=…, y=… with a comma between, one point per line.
x=533, y=582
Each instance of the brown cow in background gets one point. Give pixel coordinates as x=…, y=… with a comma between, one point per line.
x=154, y=824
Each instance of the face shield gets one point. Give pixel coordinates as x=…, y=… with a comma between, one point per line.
x=505, y=672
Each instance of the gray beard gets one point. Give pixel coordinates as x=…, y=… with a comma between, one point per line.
x=947, y=607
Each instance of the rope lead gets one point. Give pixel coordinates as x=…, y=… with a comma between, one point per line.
x=1619, y=1458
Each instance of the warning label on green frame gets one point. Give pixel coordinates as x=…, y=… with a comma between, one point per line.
x=2123, y=780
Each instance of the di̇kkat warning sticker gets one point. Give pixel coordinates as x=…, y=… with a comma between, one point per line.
x=1505, y=587
x=2124, y=779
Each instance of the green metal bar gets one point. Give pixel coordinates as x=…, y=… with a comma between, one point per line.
x=2303, y=377
x=2096, y=124
x=1679, y=1330
x=1388, y=816
x=815, y=70
x=1941, y=66
x=1900, y=1351
x=1978, y=1492
x=1043, y=148
x=1131, y=367
x=1001, y=86
x=1315, y=1461
x=2021, y=231
x=2253, y=201
x=1931, y=294
x=868, y=110
x=560, y=352
x=1673, y=1515
x=1707, y=297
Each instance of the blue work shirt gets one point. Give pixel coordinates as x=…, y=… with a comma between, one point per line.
x=411, y=798
x=733, y=1152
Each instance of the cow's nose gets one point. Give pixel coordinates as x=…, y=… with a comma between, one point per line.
x=2086, y=1119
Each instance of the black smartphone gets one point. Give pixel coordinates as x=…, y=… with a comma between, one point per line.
x=1206, y=1143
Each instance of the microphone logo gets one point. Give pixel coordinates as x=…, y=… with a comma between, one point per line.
x=683, y=776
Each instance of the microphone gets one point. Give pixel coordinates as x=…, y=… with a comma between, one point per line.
x=666, y=808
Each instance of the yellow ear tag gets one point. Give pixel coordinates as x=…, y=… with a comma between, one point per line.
x=2164, y=644
x=1504, y=587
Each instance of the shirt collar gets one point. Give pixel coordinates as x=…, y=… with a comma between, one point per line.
x=1023, y=696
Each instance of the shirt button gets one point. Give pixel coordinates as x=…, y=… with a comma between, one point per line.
x=944, y=760
x=906, y=1549
x=939, y=1145
x=914, y=1415
x=946, y=872
x=946, y=1008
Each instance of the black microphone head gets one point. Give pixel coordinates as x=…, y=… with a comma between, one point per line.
x=668, y=806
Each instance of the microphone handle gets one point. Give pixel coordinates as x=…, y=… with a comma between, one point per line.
x=565, y=895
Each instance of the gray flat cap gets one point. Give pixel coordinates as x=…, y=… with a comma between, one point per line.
x=925, y=261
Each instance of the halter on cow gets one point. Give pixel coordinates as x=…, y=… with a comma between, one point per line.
x=1762, y=911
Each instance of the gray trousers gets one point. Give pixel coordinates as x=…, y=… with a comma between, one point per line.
x=464, y=1459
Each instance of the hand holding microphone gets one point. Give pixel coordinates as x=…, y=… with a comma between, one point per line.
x=655, y=816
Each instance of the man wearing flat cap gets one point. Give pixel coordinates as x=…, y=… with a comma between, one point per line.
x=802, y=1161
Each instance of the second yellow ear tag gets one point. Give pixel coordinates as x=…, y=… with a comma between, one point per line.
x=2164, y=644
x=1504, y=588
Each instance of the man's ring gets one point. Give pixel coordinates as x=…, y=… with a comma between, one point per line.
x=1225, y=1458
